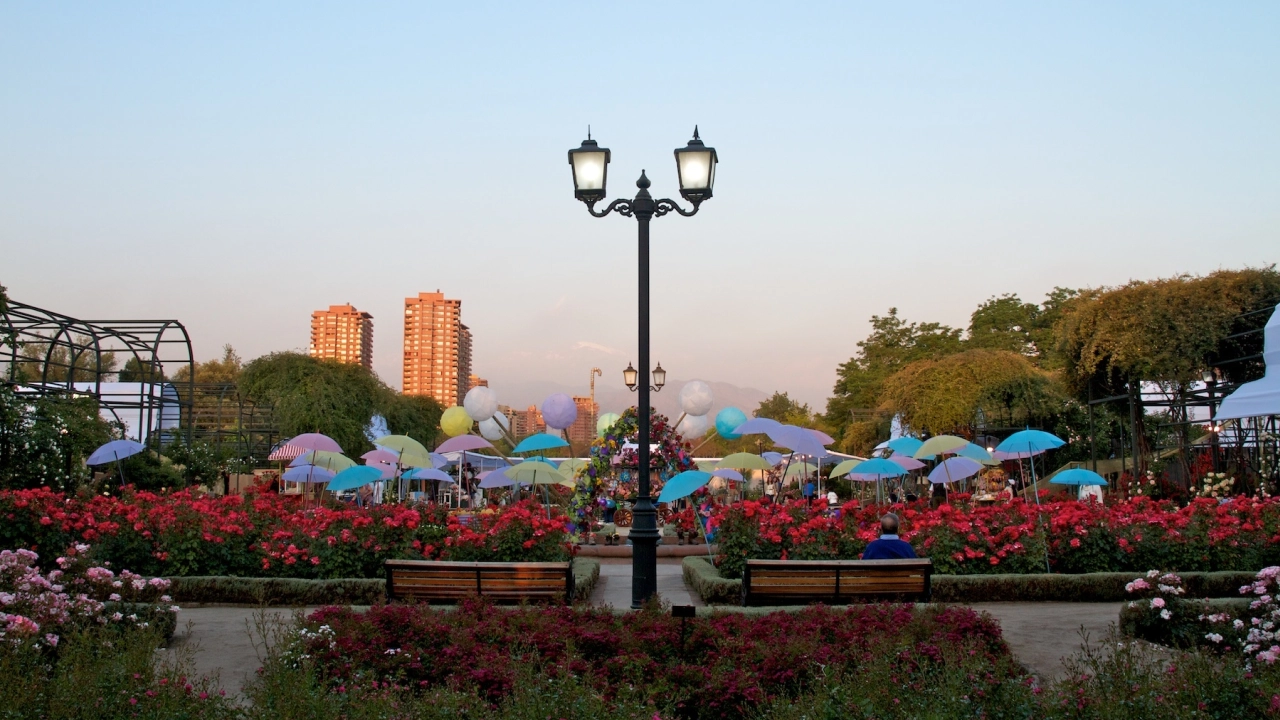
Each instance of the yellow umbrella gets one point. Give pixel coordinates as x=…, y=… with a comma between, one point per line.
x=800, y=469
x=744, y=461
x=402, y=444
x=939, y=445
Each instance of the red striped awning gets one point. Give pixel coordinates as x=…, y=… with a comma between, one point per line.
x=286, y=452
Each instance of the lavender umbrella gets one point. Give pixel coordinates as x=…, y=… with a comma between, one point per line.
x=315, y=441
x=463, y=442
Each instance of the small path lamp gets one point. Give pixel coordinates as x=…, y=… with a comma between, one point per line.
x=696, y=171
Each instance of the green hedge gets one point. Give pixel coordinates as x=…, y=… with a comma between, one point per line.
x=703, y=577
x=291, y=592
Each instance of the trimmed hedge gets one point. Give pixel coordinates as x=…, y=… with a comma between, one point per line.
x=292, y=592
x=703, y=577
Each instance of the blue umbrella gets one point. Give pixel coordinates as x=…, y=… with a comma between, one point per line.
x=354, y=477
x=976, y=452
x=541, y=441
x=428, y=474
x=683, y=485
x=116, y=450
x=905, y=445
x=774, y=458
x=1078, y=476
x=308, y=474
x=1030, y=441
x=727, y=474
x=876, y=469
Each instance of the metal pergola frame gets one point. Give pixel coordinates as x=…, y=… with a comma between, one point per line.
x=232, y=423
x=161, y=348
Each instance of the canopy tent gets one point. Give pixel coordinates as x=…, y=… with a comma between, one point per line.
x=1260, y=397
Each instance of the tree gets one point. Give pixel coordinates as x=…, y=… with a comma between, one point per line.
x=225, y=370
x=1003, y=323
x=334, y=398
x=782, y=408
x=135, y=371
x=45, y=440
x=71, y=360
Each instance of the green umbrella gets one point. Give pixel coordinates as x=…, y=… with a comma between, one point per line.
x=570, y=467
x=326, y=459
x=536, y=472
x=402, y=444
x=939, y=445
x=845, y=467
x=744, y=461
x=800, y=469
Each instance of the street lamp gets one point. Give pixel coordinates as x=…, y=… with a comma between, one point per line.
x=1210, y=377
x=696, y=170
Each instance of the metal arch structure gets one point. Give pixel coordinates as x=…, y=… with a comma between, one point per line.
x=233, y=424
x=47, y=353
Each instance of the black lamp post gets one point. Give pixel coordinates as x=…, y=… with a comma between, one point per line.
x=1210, y=377
x=696, y=169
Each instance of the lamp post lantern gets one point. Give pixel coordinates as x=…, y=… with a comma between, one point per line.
x=696, y=171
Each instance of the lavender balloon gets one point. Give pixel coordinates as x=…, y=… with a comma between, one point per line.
x=559, y=411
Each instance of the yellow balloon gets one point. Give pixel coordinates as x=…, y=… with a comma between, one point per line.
x=455, y=421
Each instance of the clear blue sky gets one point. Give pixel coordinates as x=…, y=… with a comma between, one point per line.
x=237, y=166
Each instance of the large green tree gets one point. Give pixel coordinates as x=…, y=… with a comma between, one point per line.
x=782, y=408
x=338, y=399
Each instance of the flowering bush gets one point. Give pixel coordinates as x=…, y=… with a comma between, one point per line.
x=268, y=535
x=37, y=609
x=1216, y=485
x=721, y=666
x=1160, y=613
x=1133, y=535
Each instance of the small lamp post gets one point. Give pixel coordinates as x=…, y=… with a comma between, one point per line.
x=1210, y=377
x=696, y=171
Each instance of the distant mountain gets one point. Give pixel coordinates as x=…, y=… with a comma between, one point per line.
x=616, y=398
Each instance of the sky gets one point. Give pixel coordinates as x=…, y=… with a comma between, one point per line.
x=238, y=165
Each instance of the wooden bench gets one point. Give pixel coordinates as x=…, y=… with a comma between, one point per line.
x=439, y=581
x=836, y=582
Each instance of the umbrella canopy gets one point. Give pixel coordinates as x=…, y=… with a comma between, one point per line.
x=744, y=461
x=541, y=441
x=115, y=450
x=906, y=461
x=683, y=485
x=977, y=452
x=802, y=468
x=956, y=468
x=823, y=438
x=285, y=452
x=380, y=456
x=844, y=468
x=308, y=474
x=354, y=477
x=939, y=444
x=432, y=460
x=727, y=474
x=1078, y=476
x=756, y=426
x=496, y=479
x=875, y=469
x=797, y=439
x=775, y=458
x=1032, y=442
x=334, y=461
x=429, y=474
x=904, y=445
x=535, y=472
x=401, y=444
x=463, y=442
x=315, y=441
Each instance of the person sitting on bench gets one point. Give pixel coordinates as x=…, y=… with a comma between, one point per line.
x=889, y=546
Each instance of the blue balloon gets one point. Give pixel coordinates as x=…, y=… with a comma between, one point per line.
x=727, y=420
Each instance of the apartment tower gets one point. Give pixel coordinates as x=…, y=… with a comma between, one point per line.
x=437, y=348
x=342, y=333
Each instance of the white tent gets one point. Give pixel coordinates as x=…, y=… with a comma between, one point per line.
x=1260, y=397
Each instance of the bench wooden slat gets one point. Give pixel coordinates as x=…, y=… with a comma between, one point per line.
x=785, y=582
x=453, y=581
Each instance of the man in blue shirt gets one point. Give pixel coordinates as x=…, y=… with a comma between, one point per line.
x=889, y=546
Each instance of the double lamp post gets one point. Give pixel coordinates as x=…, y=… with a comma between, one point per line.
x=696, y=170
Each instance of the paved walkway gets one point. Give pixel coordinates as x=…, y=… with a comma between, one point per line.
x=1040, y=634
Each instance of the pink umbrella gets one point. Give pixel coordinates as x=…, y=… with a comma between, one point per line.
x=315, y=441
x=823, y=438
x=463, y=442
x=286, y=452
x=380, y=456
x=906, y=461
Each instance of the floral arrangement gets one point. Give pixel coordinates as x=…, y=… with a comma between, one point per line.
x=269, y=535
x=38, y=608
x=1216, y=485
x=608, y=457
x=1239, y=533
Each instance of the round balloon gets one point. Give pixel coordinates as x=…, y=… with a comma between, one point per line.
x=692, y=426
x=559, y=411
x=695, y=398
x=605, y=422
x=492, y=428
x=727, y=420
x=455, y=421
x=480, y=403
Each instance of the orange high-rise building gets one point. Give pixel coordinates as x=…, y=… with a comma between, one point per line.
x=583, y=430
x=342, y=333
x=437, y=348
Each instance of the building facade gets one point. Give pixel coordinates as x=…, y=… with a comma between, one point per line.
x=476, y=381
x=526, y=422
x=342, y=333
x=437, y=348
x=583, y=430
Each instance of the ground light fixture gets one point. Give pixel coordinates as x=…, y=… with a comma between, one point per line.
x=696, y=173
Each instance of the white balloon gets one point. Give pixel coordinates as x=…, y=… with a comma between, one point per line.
x=492, y=428
x=696, y=398
x=480, y=403
x=692, y=427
